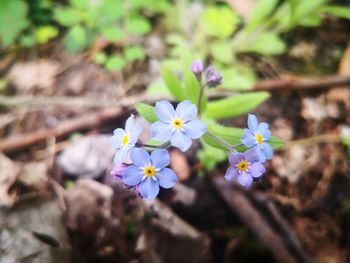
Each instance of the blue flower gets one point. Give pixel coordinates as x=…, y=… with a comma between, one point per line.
x=125, y=140
x=179, y=126
x=244, y=167
x=256, y=136
x=149, y=172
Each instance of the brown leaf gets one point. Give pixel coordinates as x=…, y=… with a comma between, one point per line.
x=8, y=175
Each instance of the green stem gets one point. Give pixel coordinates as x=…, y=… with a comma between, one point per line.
x=164, y=145
x=221, y=141
x=201, y=91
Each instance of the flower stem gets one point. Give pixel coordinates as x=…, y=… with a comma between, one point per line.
x=201, y=92
x=222, y=142
x=164, y=145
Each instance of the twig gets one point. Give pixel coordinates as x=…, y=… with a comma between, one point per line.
x=323, y=138
x=243, y=208
x=79, y=123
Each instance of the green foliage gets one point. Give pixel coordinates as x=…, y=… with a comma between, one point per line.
x=346, y=142
x=173, y=84
x=235, y=105
x=115, y=63
x=146, y=111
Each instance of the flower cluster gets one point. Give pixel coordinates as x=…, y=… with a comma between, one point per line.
x=248, y=165
x=148, y=172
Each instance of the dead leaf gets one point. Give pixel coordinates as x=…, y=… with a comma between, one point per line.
x=29, y=75
x=8, y=176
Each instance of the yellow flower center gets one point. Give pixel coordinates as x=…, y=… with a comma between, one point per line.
x=259, y=138
x=242, y=166
x=177, y=123
x=149, y=171
x=125, y=139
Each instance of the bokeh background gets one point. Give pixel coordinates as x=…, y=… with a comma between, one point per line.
x=72, y=71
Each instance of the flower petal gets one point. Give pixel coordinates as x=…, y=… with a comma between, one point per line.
x=248, y=138
x=160, y=158
x=167, y=178
x=149, y=188
x=231, y=174
x=121, y=155
x=252, y=123
x=263, y=130
x=195, y=129
x=186, y=110
x=132, y=175
x=165, y=111
x=116, y=139
x=140, y=157
x=161, y=131
x=262, y=157
x=135, y=133
x=256, y=169
x=234, y=158
x=245, y=179
x=268, y=151
x=251, y=155
x=130, y=122
x=181, y=141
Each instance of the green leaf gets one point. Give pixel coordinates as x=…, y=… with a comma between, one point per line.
x=146, y=111
x=306, y=8
x=13, y=20
x=76, y=39
x=115, y=63
x=313, y=20
x=192, y=88
x=44, y=33
x=276, y=143
x=100, y=58
x=134, y=53
x=261, y=11
x=112, y=33
x=210, y=156
x=346, y=141
x=138, y=26
x=267, y=43
x=222, y=51
x=339, y=11
x=27, y=41
x=173, y=84
x=68, y=16
x=219, y=21
x=238, y=77
x=235, y=105
x=79, y=4
x=158, y=89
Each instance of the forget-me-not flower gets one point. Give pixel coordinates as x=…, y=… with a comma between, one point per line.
x=179, y=126
x=125, y=140
x=244, y=167
x=149, y=172
x=256, y=136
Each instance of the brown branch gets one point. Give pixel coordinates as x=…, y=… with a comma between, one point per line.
x=283, y=250
x=79, y=123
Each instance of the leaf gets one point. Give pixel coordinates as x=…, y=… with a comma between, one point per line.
x=235, y=105
x=339, y=11
x=192, y=88
x=261, y=11
x=112, y=33
x=134, y=53
x=222, y=52
x=173, y=84
x=115, y=63
x=79, y=4
x=210, y=156
x=313, y=20
x=138, y=26
x=76, y=39
x=68, y=16
x=100, y=58
x=157, y=89
x=267, y=43
x=44, y=33
x=238, y=77
x=219, y=21
x=306, y=8
x=146, y=111
x=13, y=20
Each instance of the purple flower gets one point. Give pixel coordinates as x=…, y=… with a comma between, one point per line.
x=213, y=77
x=197, y=68
x=256, y=136
x=125, y=140
x=118, y=171
x=179, y=126
x=149, y=172
x=244, y=167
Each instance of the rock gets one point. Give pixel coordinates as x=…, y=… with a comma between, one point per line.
x=33, y=230
x=90, y=157
x=172, y=238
